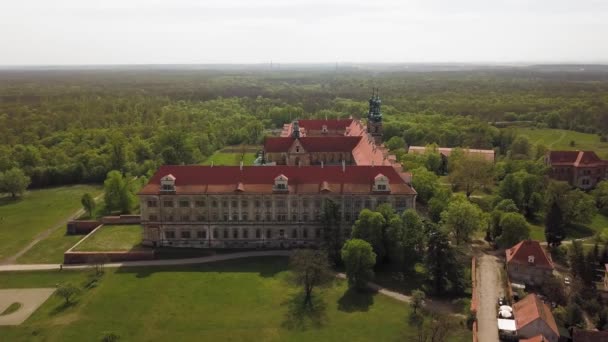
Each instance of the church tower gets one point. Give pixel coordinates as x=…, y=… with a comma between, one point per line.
x=374, y=117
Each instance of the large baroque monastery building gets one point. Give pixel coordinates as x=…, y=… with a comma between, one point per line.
x=278, y=204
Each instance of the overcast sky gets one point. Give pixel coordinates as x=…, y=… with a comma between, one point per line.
x=67, y=32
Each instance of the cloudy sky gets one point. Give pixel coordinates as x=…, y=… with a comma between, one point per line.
x=67, y=32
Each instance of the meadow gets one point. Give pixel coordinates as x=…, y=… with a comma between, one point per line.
x=230, y=159
x=561, y=139
x=236, y=300
x=23, y=218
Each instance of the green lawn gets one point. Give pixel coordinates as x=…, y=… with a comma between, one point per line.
x=230, y=159
x=599, y=226
x=559, y=139
x=113, y=238
x=38, y=210
x=239, y=300
x=50, y=250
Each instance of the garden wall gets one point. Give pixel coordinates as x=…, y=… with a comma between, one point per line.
x=82, y=227
x=122, y=219
x=86, y=257
x=474, y=296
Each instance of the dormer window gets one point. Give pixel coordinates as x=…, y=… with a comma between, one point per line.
x=297, y=149
x=531, y=259
x=280, y=183
x=324, y=129
x=381, y=183
x=167, y=183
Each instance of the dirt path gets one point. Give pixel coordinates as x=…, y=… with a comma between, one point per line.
x=43, y=235
x=489, y=289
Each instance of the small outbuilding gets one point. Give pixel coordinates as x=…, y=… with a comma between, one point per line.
x=528, y=263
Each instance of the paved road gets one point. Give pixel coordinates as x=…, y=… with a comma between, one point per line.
x=30, y=300
x=489, y=288
x=165, y=262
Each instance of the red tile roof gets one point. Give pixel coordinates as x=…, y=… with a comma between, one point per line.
x=332, y=124
x=519, y=254
x=260, y=179
x=530, y=309
x=589, y=336
x=313, y=144
x=575, y=158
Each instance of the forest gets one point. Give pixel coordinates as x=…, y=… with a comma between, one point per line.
x=74, y=126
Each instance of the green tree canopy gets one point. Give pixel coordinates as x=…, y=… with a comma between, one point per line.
x=425, y=182
x=14, y=182
x=359, y=260
x=462, y=218
x=370, y=227
x=118, y=193
x=514, y=228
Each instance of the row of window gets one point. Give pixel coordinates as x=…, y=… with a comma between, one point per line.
x=244, y=217
x=236, y=233
x=400, y=202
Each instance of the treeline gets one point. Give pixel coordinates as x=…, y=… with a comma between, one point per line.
x=75, y=126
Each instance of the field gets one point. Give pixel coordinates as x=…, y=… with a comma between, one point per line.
x=559, y=139
x=599, y=226
x=230, y=159
x=234, y=300
x=50, y=250
x=113, y=238
x=38, y=210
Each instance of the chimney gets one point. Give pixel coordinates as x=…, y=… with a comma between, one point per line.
x=321, y=164
x=372, y=163
x=343, y=166
x=241, y=166
x=212, y=163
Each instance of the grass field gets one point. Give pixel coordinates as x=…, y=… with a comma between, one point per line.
x=598, y=226
x=38, y=210
x=50, y=250
x=559, y=139
x=113, y=238
x=230, y=159
x=238, y=300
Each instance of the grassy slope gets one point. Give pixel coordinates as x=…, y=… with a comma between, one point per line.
x=50, y=250
x=235, y=300
x=559, y=139
x=113, y=238
x=230, y=159
x=36, y=211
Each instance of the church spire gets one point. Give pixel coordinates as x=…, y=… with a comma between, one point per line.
x=374, y=116
x=296, y=130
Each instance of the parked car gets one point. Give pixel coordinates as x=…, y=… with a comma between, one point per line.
x=502, y=301
x=567, y=280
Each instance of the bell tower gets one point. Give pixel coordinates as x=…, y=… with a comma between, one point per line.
x=374, y=117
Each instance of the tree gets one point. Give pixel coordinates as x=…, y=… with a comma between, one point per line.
x=471, y=173
x=405, y=237
x=425, y=182
x=88, y=203
x=417, y=301
x=370, y=227
x=395, y=143
x=462, y=218
x=554, y=225
x=520, y=148
x=576, y=206
x=511, y=188
x=600, y=194
x=310, y=269
x=67, y=291
x=118, y=193
x=507, y=206
x=438, y=203
x=444, y=271
x=359, y=260
x=14, y=182
x=332, y=234
x=514, y=229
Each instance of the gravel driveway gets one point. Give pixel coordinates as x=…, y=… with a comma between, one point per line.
x=30, y=300
x=489, y=288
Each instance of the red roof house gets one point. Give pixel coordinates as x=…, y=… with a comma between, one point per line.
x=527, y=262
x=534, y=318
x=583, y=169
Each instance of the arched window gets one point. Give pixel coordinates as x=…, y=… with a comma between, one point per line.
x=245, y=233
x=268, y=233
x=294, y=233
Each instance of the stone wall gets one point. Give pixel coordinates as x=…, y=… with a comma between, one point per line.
x=81, y=227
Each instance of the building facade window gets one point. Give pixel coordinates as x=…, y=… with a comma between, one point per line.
x=216, y=234
x=152, y=218
x=200, y=218
x=185, y=234
x=184, y=204
x=199, y=203
x=245, y=233
x=152, y=204
x=185, y=218
x=170, y=234
x=225, y=233
x=235, y=233
x=294, y=233
x=268, y=233
x=168, y=204
x=201, y=234
x=258, y=233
